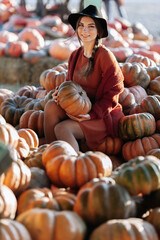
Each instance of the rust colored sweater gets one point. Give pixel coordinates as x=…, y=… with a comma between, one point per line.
x=103, y=87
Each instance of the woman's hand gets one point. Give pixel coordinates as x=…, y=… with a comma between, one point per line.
x=54, y=95
x=80, y=117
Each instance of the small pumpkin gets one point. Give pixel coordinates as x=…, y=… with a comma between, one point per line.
x=30, y=136
x=111, y=146
x=138, y=58
x=9, y=135
x=154, y=86
x=16, y=49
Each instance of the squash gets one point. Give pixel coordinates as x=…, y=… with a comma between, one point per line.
x=11, y=229
x=9, y=135
x=55, y=223
x=136, y=126
x=140, y=147
x=111, y=146
x=8, y=203
x=28, y=91
x=73, y=99
x=54, y=78
x=138, y=58
x=135, y=74
x=141, y=175
x=153, y=72
x=22, y=148
x=96, y=204
x=154, y=86
x=74, y=171
x=39, y=178
x=30, y=136
x=130, y=229
x=16, y=49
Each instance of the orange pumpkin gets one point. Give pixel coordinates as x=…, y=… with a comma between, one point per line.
x=9, y=135
x=111, y=146
x=73, y=99
x=30, y=136
x=138, y=58
x=16, y=49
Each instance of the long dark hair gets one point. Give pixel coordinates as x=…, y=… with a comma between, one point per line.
x=89, y=67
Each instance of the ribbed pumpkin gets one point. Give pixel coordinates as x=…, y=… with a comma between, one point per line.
x=153, y=72
x=135, y=74
x=73, y=99
x=111, y=146
x=28, y=91
x=154, y=86
x=17, y=177
x=136, y=126
x=129, y=229
x=97, y=203
x=12, y=108
x=140, y=147
x=11, y=229
x=8, y=203
x=16, y=48
x=5, y=93
x=22, y=148
x=138, y=58
x=55, y=223
x=74, y=171
x=150, y=104
x=8, y=135
x=153, y=217
x=140, y=175
x=33, y=119
x=30, y=136
x=154, y=152
x=55, y=149
x=65, y=199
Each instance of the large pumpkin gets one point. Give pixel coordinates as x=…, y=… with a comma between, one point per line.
x=74, y=171
x=140, y=175
x=137, y=126
x=104, y=201
x=44, y=224
x=138, y=58
x=73, y=99
x=129, y=229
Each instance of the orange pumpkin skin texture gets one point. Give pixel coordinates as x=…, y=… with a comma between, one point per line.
x=20, y=175
x=137, y=58
x=55, y=225
x=140, y=147
x=11, y=229
x=30, y=136
x=74, y=171
x=136, y=126
x=130, y=229
x=135, y=74
x=66, y=200
x=97, y=204
x=140, y=175
x=29, y=195
x=8, y=203
x=8, y=135
x=55, y=149
x=33, y=38
x=111, y=146
x=73, y=99
x=16, y=49
x=150, y=104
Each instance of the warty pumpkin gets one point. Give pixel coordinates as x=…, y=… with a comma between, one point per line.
x=73, y=99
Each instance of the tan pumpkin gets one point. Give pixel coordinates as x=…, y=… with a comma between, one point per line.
x=138, y=58
x=153, y=72
x=154, y=86
x=152, y=55
x=73, y=99
x=8, y=203
x=30, y=136
x=53, y=79
x=11, y=229
x=130, y=229
x=39, y=178
x=20, y=175
x=9, y=135
x=22, y=148
x=74, y=171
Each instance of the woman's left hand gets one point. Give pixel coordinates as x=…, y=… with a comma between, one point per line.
x=80, y=117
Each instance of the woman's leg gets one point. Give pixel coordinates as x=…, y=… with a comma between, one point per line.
x=69, y=131
x=53, y=114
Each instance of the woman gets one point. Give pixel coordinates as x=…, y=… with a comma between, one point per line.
x=96, y=69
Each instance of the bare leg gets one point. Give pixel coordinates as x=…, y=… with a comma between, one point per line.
x=69, y=131
x=53, y=114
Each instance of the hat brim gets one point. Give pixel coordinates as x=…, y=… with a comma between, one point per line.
x=73, y=18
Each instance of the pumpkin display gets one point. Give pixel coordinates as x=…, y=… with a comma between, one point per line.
x=153, y=71
x=154, y=86
x=20, y=175
x=73, y=99
x=138, y=58
x=96, y=204
x=16, y=49
x=130, y=229
x=29, y=195
x=8, y=203
x=57, y=148
x=150, y=104
x=140, y=175
x=12, y=229
x=135, y=74
x=55, y=223
x=9, y=135
x=140, y=146
x=74, y=171
x=33, y=119
x=33, y=56
x=111, y=146
x=30, y=136
x=32, y=37
x=136, y=126
x=28, y=91
x=12, y=108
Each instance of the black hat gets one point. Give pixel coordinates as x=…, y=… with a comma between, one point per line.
x=90, y=11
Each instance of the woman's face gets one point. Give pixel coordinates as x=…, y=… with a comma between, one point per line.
x=87, y=30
